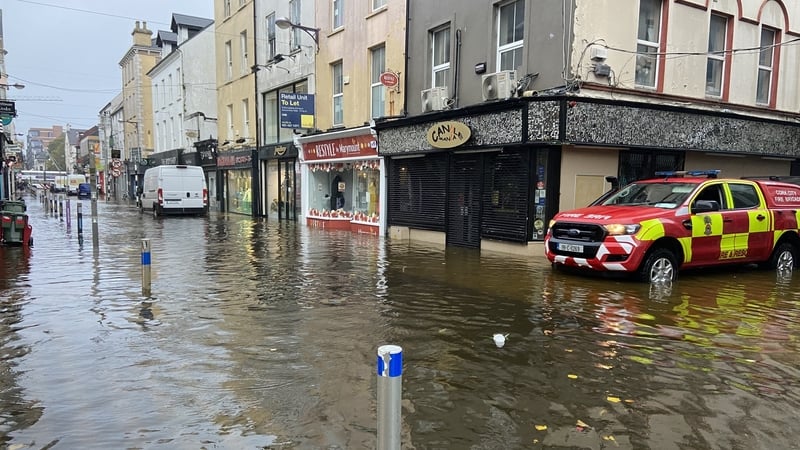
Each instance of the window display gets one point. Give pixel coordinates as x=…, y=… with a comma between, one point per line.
x=239, y=191
x=345, y=190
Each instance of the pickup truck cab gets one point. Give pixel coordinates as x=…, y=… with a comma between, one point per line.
x=653, y=228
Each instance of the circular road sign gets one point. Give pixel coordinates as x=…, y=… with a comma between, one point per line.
x=389, y=79
x=116, y=173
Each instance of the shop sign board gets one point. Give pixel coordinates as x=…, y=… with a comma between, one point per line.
x=448, y=134
x=360, y=146
x=389, y=79
x=235, y=160
x=297, y=110
x=8, y=108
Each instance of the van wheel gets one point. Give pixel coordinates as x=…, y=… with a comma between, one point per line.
x=660, y=266
x=783, y=258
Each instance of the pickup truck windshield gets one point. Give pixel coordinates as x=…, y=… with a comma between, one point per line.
x=659, y=195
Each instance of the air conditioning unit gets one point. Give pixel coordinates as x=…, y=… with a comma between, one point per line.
x=434, y=99
x=499, y=85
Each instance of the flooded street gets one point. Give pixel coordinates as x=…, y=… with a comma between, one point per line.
x=264, y=335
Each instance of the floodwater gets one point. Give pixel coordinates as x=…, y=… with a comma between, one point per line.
x=264, y=335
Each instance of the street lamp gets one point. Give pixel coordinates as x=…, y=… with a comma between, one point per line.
x=15, y=85
x=284, y=23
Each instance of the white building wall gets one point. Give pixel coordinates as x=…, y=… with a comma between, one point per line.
x=199, y=81
x=599, y=22
x=300, y=66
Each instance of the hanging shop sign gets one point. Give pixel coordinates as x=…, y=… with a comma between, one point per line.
x=359, y=146
x=448, y=134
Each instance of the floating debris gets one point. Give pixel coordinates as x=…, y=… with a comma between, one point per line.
x=499, y=339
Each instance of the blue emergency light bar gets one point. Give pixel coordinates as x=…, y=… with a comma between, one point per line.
x=692, y=173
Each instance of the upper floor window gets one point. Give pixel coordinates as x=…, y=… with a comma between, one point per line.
x=648, y=42
x=766, y=61
x=243, y=45
x=377, y=4
x=171, y=86
x=294, y=16
x=717, y=30
x=338, y=93
x=229, y=123
x=440, y=57
x=228, y=61
x=378, y=90
x=271, y=49
x=338, y=11
x=179, y=83
x=226, y=8
x=510, y=35
x=245, y=118
x=242, y=2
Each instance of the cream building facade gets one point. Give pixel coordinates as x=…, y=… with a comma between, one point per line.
x=236, y=115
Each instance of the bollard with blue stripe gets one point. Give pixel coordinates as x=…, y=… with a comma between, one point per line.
x=146, y=267
x=390, y=384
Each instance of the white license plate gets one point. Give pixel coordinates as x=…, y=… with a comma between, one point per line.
x=572, y=248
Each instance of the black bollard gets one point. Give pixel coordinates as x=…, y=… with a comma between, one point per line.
x=80, y=220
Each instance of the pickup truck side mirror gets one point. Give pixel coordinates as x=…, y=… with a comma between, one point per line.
x=702, y=206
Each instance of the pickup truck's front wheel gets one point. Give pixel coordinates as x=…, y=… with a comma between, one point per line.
x=660, y=266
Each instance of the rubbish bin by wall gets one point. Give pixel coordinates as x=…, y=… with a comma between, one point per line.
x=14, y=206
x=13, y=226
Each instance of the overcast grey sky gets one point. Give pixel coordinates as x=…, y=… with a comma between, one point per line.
x=70, y=50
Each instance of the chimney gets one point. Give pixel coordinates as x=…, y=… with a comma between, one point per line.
x=141, y=35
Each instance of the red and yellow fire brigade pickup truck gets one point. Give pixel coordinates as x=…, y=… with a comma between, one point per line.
x=653, y=228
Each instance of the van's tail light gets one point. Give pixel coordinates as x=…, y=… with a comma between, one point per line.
x=160, y=197
x=205, y=197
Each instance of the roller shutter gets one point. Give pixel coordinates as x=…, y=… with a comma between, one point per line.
x=416, y=192
x=506, y=195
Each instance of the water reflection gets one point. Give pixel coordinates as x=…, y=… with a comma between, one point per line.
x=261, y=334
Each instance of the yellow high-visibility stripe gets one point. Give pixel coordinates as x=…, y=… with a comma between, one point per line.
x=651, y=230
x=686, y=243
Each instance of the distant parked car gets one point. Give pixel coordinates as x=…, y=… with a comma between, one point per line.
x=84, y=190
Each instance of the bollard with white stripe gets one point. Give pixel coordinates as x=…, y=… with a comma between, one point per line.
x=390, y=384
x=146, y=267
x=80, y=220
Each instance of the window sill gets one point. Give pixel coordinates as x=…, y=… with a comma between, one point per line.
x=374, y=13
x=336, y=31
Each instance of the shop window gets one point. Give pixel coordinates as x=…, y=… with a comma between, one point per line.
x=345, y=190
x=239, y=191
x=642, y=164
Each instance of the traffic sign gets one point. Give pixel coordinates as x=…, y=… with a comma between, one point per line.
x=115, y=173
x=5, y=120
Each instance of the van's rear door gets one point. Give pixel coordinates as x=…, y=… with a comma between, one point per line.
x=182, y=187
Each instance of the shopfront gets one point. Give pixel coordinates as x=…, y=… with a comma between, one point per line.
x=206, y=157
x=236, y=170
x=468, y=181
x=281, y=177
x=342, y=186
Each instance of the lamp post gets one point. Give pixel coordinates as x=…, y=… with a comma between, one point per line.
x=285, y=24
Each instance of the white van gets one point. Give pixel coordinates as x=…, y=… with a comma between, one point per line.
x=73, y=181
x=174, y=190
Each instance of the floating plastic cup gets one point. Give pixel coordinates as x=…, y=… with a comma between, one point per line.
x=499, y=339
